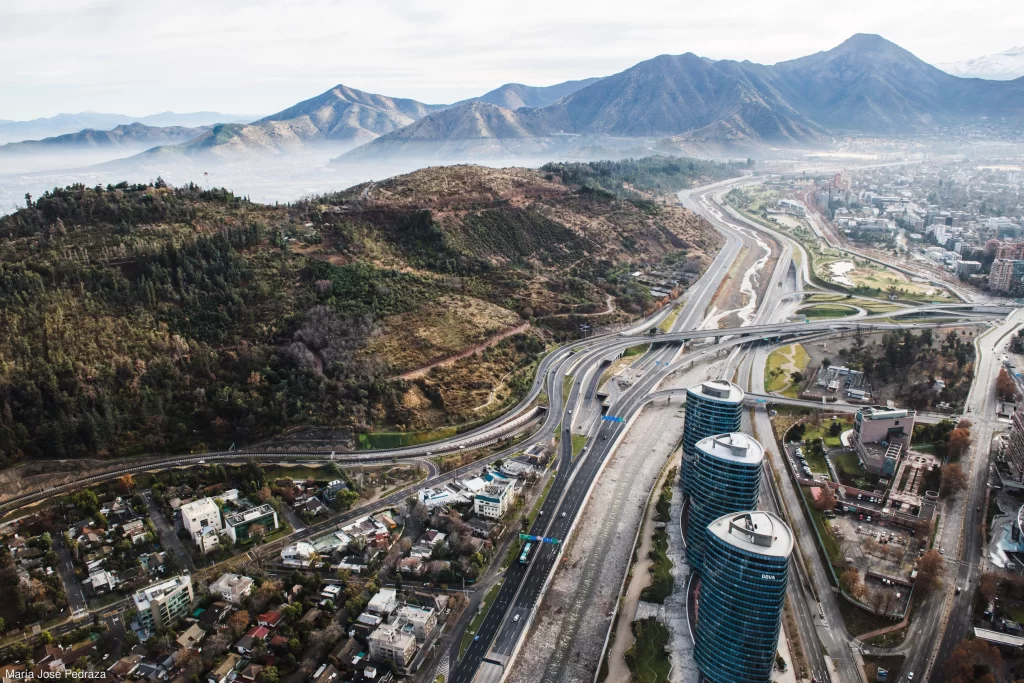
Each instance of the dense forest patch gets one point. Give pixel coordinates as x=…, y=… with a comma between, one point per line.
x=149, y=319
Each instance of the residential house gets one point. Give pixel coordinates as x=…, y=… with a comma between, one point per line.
x=411, y=565
x=213, y=615
x=247, y=643
x=384, y=602
x=347, y=653
x=225, y=671
x=250, y=672
x=270, y=619
x=310, y=617
x=135, y=531
x=299, y=554
x=126, y=666
x=279, y=644
x=314, y=506
x=232, y=587
x=190, y=637
x=326, y=674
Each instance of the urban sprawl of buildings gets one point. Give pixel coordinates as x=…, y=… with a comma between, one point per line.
x=961, y=216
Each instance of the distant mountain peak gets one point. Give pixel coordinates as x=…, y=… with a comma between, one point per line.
x=1003, y=66
x=517, y=95
x=862, y=41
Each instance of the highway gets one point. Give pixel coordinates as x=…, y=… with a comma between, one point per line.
x=685, y=344
x=509, y=617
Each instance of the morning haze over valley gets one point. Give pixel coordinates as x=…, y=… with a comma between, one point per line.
x=527, y=342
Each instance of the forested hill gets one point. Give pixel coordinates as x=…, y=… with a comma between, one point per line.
x=149, y=319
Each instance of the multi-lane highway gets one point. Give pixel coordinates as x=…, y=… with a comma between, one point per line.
x=686, y=343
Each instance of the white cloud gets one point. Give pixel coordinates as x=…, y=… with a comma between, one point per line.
x=259, y=56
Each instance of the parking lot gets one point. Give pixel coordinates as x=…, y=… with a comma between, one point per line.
x=883, y=555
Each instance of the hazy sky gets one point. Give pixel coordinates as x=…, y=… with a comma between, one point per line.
x=260, y=56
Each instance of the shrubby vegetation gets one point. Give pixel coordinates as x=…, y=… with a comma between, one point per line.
x=914, y=363
x=655, y=174
x=149, y=319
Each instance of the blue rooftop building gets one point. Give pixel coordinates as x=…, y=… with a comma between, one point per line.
x=712, y=407
x=726, y=477
x=741, y=594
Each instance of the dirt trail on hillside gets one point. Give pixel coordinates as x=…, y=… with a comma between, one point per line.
x=490, y=341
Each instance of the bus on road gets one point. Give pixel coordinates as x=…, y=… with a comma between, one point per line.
x=525, y=555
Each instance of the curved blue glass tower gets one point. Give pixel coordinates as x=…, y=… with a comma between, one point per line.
x=742, y=590
x=712, y=407
x=725, y=477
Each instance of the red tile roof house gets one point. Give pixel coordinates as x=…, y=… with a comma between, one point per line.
x=270, y=619
x=250, y=672
x=246, y=643
x=279, y=643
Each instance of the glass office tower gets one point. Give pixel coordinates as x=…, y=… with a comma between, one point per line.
x=726, y=477
x=742, y=590
x=712, y=407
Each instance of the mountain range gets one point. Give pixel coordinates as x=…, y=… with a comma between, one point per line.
x=136, y=136
x=62, y=124
x=1004, y=66
x=676, y=103
x=343, y=118
x=865, y=85
x=517, y=95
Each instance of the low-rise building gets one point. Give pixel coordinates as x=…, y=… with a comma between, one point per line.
x=384, y=602
x=966, y=268
x=232, y=587
x=225, y=671
x=207, y=539
x=163, y=603
x=238, y=525
x=495, y=499
x=881, y=436
x=299, y=554
x=393, y=643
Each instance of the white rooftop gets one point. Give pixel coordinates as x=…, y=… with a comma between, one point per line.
x=763, y=533
x=143, y=597
x=735, y=447
x=719, y=390
x=201, y=507
x=998, y=637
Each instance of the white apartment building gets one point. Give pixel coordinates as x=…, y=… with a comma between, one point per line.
x=495, y=499
x=422, y=619
x=201, y=519
x=393, y=643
